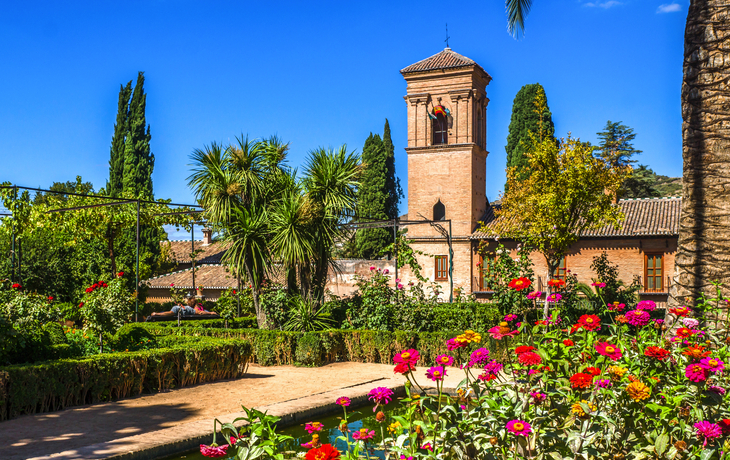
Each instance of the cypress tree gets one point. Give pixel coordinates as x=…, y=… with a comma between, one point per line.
x=116, y=159
x=526, y=120
x=371, y=199
x=392, y=183
x=138, y=158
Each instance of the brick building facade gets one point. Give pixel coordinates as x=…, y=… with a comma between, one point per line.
x=446, y=100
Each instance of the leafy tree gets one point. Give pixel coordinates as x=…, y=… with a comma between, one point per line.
x=616, y=144
x=116, y=161
x=526, y=121
x=76, y=186
x=569, y=190
x=640, y=184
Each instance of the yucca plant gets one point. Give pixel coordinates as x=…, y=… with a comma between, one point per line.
x=306, y=316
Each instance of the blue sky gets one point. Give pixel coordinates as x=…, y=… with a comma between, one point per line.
x=317, y=74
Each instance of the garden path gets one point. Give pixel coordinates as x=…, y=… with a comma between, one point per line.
x=178, y=419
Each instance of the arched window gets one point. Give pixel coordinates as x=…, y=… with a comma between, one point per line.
x=440, y=129
x=439, y=211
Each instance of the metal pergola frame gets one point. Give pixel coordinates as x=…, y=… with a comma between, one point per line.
x=117, y=202
x=397, y=222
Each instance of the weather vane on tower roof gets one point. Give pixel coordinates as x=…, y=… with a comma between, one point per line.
x=447, y=36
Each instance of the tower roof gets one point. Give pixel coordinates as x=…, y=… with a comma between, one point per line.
x=446, y=59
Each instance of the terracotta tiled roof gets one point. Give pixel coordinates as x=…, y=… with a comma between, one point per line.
x=446, y=59
x=209, y=276
x=211, y=254
x=644, y=217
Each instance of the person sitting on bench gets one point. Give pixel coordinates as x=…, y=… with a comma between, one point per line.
x=191, y=307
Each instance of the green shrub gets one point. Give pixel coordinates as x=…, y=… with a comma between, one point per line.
x=70, y=311
x=54, y=385
x=133, y=337
x=55, y=333
x=236, y=323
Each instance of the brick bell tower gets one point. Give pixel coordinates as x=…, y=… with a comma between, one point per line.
x=447, y=137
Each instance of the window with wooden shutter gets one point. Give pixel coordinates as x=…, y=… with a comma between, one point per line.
x=654, y=272
x=442, y=268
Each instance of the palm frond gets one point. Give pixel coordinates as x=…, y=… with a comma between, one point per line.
x=517, y=11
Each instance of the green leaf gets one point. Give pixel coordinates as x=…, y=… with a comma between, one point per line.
x=661, y=443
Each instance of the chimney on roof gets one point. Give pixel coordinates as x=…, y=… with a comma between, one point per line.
x=207, y=236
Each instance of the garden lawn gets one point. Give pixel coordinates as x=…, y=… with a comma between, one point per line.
x=66, y=431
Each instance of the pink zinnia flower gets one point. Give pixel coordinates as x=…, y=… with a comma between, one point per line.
x=717, y=389
x=453, y=344
x=380, y=396
x=690, y=322
x=695, y=373
x=444, y=360
x=554, y=297
x=603, y=383
x=646, y=305
x=343, y=401
x=519, y=428
x=436, y=373
x=493, y=367
x=497, y=334
x=534, y=295
x=213, y=450
x=606, y=349
x=638, y=318
x=538, y=397
x=312, y=427
x=510, y=317
x=707, y=431
x=712, y=364
x=409, y=357
x=478, y=357
x=372, y=268
x=598, y=284
x=363, y=434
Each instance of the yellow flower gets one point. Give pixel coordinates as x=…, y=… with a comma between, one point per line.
x=638, y=391
x=617, y=372
x=577, y=409
x=394, y=427
x=469, y=336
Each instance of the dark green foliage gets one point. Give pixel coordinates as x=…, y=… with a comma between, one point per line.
x=76, y=186
x=114, y=185
x=526, y=120
x=645, y=183
x=378, y=195
x=55, y=385
x=616, y=144
x=132, y=337
x=138, y=158
x=235, y=323
x=615, y=290
x=55, y=333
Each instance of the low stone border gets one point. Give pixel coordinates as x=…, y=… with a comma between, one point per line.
x=188, y=436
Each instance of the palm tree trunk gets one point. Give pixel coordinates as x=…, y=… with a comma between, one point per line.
x=261, y=318
x=703, y=254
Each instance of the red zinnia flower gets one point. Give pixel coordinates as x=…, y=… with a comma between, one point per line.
x=590, y=322
x=684, y=332
x=679, y=311
x=519, y=284
x=325, y=452
x=403, y=368
x=656, y=352
x=530, y=359
x=568, y=343
x=213, y=451
x=556, y=283
x=523, y=349
x=594, y=371
x=696, y=352
x=581, y=380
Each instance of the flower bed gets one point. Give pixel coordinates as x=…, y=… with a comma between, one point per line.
x=627, y=387
x=54, y=385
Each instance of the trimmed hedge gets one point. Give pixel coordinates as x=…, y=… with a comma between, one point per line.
x=274, y=347
x=55, y=385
